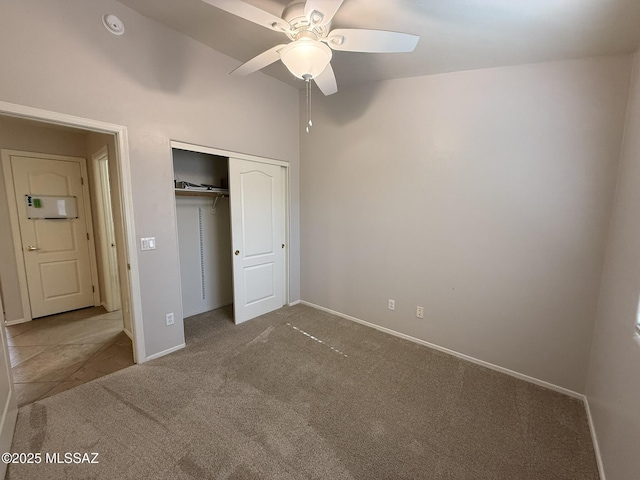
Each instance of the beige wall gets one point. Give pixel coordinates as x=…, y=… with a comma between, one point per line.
x=162, y=86
x=613, y=388
x=27, y=136
x=483, y=196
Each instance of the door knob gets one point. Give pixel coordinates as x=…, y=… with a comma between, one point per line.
x=237, y=252
x=31, y=248
x=283, y=245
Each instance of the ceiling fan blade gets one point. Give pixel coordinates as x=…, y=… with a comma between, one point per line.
x=326, y=81
x=260, y=61
x=251, y=13
x=320, y=12
x=371, y=41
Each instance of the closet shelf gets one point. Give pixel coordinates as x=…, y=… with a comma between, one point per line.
x=190, y=192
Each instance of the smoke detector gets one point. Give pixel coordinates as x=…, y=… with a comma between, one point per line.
x=113, y=24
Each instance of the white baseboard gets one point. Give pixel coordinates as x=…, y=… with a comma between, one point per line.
x=594, y=438
x=8, y=323
x=477, y=361
x=297, y=302
x=164, y=352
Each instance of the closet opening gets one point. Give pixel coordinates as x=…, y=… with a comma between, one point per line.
x=201, y=182
x=232, y=225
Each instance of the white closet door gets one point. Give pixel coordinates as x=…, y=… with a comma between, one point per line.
x=258, y=233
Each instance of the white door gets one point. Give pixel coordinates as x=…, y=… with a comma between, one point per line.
x=56, y=251
x=107, y=238
x=257, y=237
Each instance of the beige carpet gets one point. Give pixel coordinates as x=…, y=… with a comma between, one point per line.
x=301, y=394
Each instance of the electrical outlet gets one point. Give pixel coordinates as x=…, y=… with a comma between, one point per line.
x=392, y=304
x=419, y=312
x=169, y=318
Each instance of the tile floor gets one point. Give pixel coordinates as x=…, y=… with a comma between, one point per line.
x=52, y=354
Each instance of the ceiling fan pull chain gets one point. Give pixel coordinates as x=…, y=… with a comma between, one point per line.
x=307, y=79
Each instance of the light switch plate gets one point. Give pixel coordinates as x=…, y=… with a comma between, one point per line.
x=148, y=243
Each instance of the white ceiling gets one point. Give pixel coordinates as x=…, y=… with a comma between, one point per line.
x=454, y=35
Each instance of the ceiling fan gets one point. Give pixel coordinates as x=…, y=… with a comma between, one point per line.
x=308, y=25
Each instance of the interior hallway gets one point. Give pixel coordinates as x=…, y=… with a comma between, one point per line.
x=52, y=354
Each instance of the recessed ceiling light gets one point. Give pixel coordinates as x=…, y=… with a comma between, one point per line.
x=113, y=24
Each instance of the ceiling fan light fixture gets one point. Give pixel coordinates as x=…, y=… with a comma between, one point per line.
x=306, y=57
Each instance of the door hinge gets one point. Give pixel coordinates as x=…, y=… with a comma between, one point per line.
x=81, y=181
x=87, y=235
x=93, y=288
x=128, y=266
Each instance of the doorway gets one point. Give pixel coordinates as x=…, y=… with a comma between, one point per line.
x=71, y=338
x=122, y=212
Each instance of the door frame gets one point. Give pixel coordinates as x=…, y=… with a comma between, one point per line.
x=104, y=224
x=6, y=155
x=8, y=411
x=126, y=193
x=253, y=158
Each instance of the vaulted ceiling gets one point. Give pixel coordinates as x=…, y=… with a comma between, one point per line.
x=454, y=35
